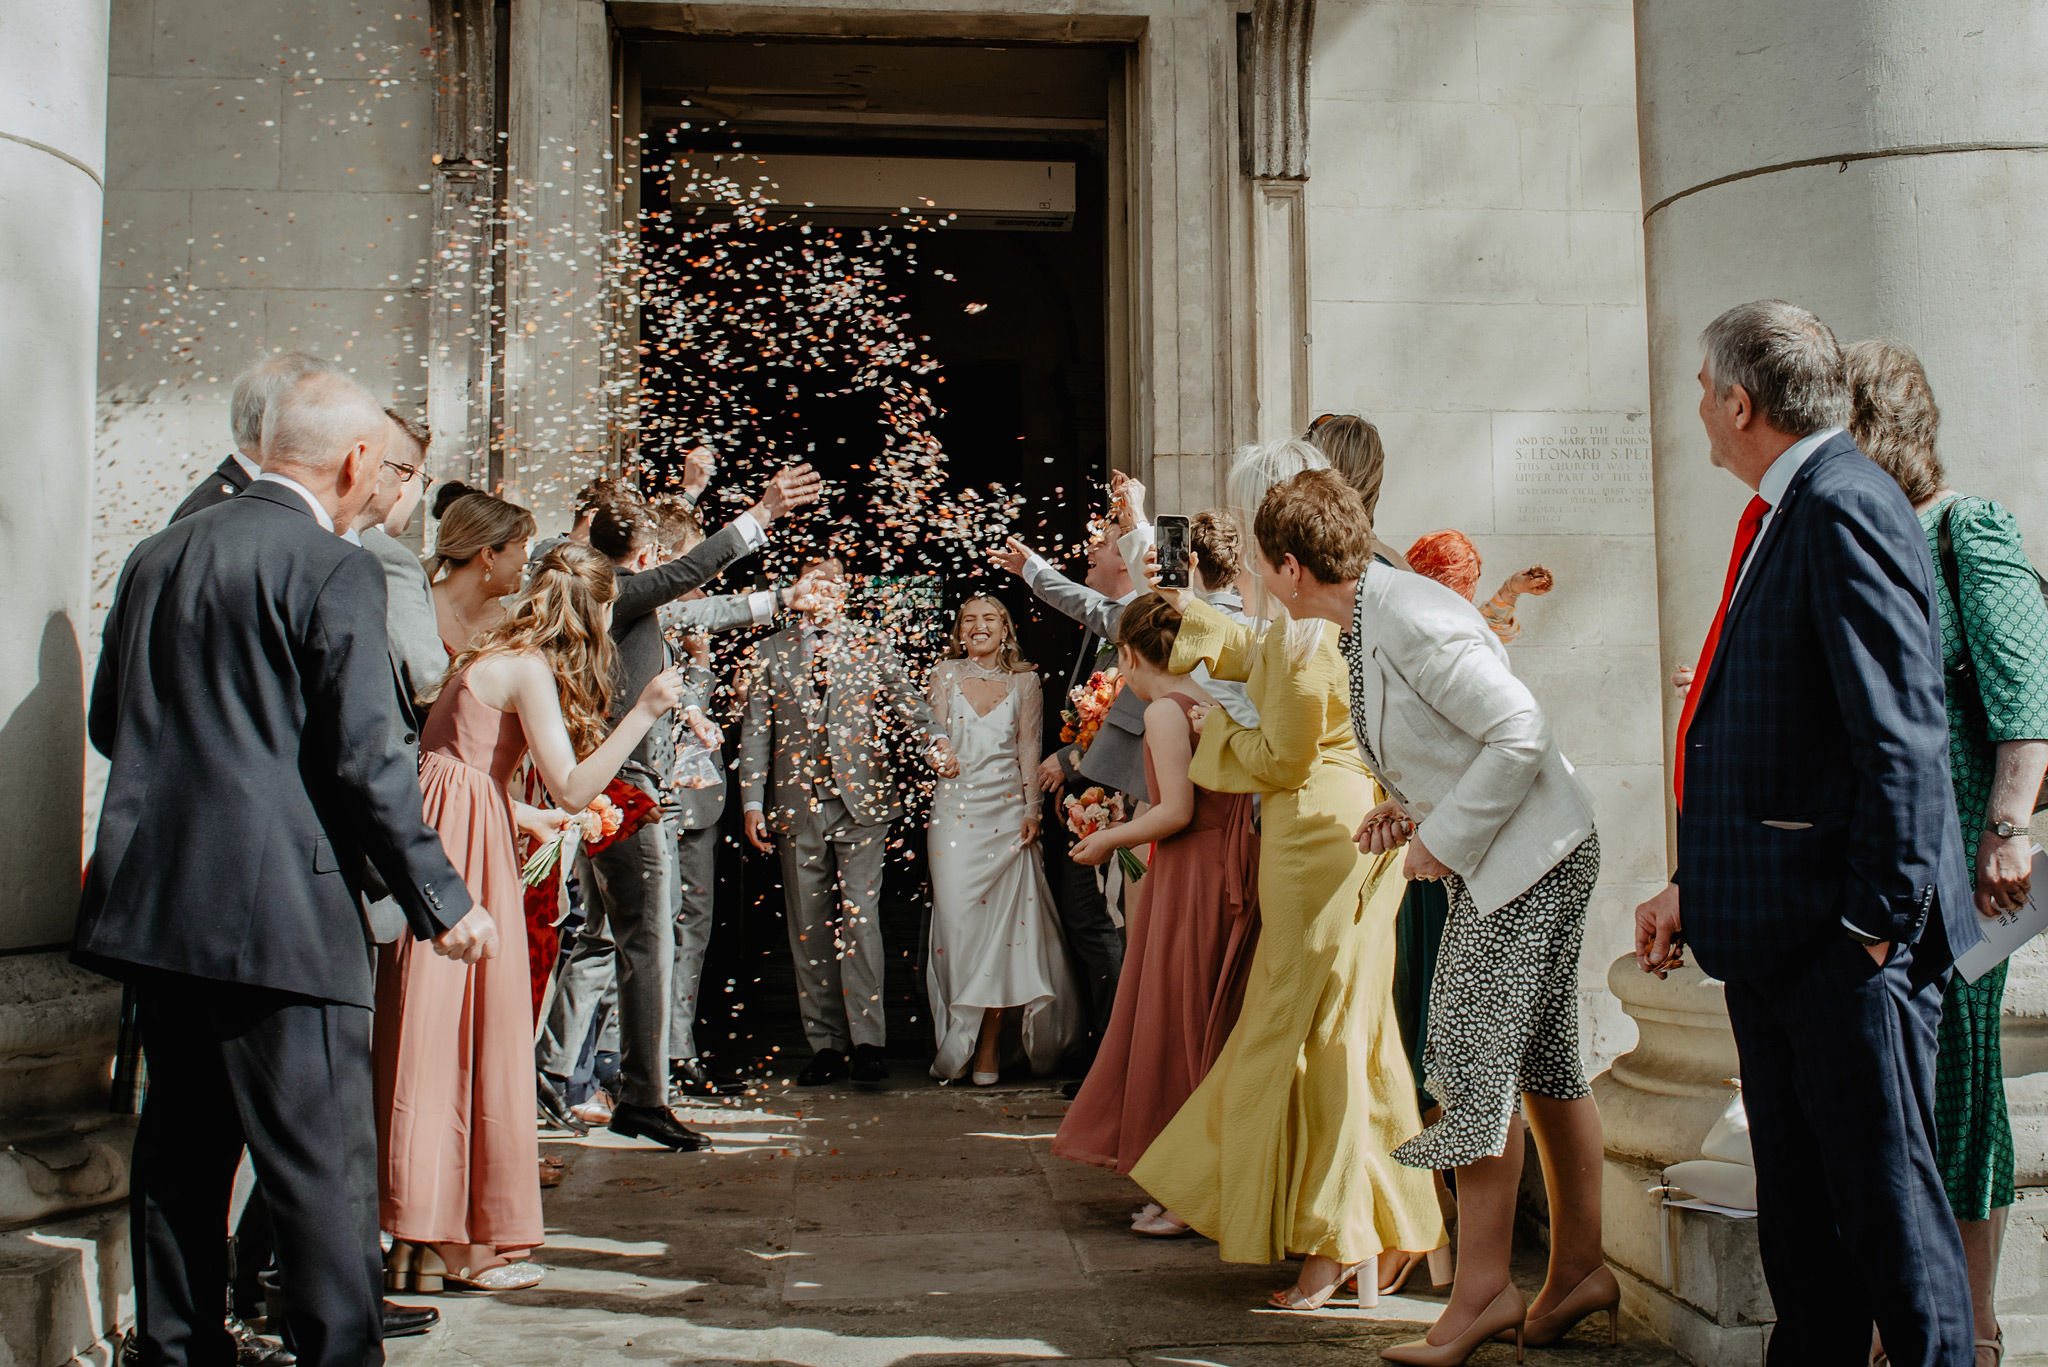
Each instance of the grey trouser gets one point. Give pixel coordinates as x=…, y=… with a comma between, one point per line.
x=629, y=928
x=831, y=886
x=696, y=877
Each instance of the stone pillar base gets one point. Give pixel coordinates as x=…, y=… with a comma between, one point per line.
x=65, y=1290
x=1711, y=1306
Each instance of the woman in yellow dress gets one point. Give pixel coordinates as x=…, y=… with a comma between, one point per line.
x=1284, y=1148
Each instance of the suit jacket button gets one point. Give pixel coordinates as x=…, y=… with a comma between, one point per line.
x=1393, y=775
x=411, y=739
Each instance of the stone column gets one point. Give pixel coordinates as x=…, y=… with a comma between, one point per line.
x=1273, y=127
x=1880, y=162
x=560, y=254
x=58, y=1151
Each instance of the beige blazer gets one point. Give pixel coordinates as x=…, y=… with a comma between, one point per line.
x=870, y=706
x=1459, y=741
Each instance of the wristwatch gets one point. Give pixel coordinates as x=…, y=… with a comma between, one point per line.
x=2005, y=830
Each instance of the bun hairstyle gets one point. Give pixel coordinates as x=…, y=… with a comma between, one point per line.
x=1447, y=557
x=449, y=491
x=558, y=615
x=474, y=522
x=1148, y=628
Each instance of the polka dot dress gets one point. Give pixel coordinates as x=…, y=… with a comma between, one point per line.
x=1504, y=1012
x=1504, y=1004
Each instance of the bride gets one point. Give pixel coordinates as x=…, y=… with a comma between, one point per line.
x=1000, y=986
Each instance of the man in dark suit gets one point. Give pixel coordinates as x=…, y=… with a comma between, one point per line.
x=629, y=886
x=1820, y=866
x=1115, y=759
x=244, y=699
x=253, y=392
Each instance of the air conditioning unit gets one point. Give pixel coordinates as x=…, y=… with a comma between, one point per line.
x=1031, y=196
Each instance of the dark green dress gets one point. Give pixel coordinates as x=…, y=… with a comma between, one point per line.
x=2008, y=643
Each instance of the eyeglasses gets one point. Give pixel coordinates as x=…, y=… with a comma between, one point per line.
x=406, y=472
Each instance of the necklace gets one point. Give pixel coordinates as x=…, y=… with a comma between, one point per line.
x=980, y=671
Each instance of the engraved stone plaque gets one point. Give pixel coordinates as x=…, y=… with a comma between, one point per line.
x=1571, y=473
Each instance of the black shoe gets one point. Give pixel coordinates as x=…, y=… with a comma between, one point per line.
x=825, y=1065
x=689, y=1077
x=403, y=1321
x=656, y=1123
x=870, y=1064
x=253, y=1350
x=556, y=1108
x=131, y=1349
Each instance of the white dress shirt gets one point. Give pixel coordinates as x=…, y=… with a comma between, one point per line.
x=319, y=511
x=249, y=467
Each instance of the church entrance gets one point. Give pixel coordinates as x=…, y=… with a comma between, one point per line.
x=806, y=207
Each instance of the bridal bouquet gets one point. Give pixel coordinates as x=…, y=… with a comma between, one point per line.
x=1087, y=705
x=1093, y=810
x=595, y=826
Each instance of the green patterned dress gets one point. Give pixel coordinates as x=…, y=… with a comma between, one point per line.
x=2008, y=644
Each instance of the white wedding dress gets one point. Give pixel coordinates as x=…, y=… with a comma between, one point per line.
x=995, y=935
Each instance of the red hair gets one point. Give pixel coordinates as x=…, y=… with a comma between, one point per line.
x=1448, y=558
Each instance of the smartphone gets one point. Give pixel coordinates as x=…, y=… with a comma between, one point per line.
x=1172, y=532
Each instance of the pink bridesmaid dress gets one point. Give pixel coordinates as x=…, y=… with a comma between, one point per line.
x=1194, y=927
x=457, y=1138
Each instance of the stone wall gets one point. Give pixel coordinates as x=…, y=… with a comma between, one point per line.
x=1476, y=289
x=267, y=186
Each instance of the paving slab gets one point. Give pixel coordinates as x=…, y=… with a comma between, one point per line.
x=901, y=1226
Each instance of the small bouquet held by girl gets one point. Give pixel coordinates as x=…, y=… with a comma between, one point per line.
x=616, y=812
x=1087, y=705
x=1095, y=810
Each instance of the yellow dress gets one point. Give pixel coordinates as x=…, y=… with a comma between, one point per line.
x=1284, y=1148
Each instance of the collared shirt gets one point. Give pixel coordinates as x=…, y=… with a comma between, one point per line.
x=249, y=467
x=1771, y=489
x=272, y=477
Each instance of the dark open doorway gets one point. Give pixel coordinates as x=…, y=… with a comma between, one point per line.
x=1015, y=313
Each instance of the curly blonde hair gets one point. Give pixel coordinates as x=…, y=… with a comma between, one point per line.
x=558, y=616
x=1007, y=654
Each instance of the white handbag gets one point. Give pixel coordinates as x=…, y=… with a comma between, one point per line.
x=1728, y=1140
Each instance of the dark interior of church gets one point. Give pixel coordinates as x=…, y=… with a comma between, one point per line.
x=1014, y=311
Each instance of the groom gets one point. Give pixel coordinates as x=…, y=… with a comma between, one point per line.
x=818, y=783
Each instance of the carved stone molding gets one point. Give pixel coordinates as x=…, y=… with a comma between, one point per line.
x=465, y=95
x=1273, y=89
x=461, y=341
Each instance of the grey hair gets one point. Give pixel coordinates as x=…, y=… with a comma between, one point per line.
x=1261, y=465
x=258, y=386
x=316, y=421
x=1786, y=359
x=1254, y=469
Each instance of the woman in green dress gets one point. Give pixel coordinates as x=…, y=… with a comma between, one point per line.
x=1994, y=639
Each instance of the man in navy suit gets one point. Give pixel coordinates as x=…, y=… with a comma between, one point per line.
x=1820, y=870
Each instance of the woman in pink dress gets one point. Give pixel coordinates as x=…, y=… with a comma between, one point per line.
x=454, y=1042
x=1193, y=925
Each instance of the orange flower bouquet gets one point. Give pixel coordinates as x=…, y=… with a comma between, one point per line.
x=1093, y=810
x=600, y=819
x=1087, y=705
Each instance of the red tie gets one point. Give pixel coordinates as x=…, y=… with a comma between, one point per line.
x=1745, y=537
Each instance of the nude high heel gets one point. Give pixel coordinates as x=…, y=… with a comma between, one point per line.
x=398, y=1267
x=1504, y=1315
x=1600, y=1291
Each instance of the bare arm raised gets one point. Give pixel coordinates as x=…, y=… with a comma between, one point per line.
x=524, y=684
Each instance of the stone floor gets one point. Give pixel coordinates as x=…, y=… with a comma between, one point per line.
x=909, y=1225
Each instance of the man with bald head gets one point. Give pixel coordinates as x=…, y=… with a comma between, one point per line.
x=254, y=389
x=244, y=700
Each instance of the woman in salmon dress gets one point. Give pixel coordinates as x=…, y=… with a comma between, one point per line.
x=457, y=1141
x=1285, y=1148
x=1192, y=928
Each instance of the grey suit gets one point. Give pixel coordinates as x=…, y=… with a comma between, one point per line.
x=1116, y=759
x=818, y=764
